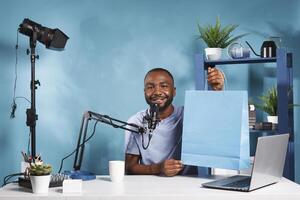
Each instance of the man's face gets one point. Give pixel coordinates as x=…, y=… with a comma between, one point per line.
x=159, y=89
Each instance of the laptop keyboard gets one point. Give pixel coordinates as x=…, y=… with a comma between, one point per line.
x=237, y=183
x=241, y=184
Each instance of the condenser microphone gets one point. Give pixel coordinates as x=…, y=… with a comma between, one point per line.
x=153, y=119
x=150, y=121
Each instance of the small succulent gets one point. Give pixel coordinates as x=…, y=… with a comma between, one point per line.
x=38, y=168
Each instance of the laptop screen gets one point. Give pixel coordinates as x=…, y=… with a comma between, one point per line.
x=269, y=160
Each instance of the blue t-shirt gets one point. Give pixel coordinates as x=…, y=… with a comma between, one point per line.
x=165, y=142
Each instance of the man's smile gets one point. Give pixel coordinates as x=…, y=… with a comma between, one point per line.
x=158, y=100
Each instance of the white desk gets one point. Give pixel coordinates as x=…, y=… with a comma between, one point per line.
x=155, y=187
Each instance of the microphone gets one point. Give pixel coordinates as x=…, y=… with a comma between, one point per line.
x=150, y=121
x=153, y=118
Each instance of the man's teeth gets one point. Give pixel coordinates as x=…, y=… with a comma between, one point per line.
x=158, y=100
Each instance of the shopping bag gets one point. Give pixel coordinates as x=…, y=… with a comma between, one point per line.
x=215, y=129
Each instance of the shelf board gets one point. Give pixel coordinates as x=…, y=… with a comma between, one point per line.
x=263, y=131
x=240, y=61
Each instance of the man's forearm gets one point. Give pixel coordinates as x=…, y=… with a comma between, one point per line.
x=139, y=169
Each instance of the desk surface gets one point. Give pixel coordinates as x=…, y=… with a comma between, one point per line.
x=155, y=187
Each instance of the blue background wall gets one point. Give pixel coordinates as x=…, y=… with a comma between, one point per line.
x=112, y=45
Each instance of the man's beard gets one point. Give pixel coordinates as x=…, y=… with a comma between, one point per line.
x=165, y=105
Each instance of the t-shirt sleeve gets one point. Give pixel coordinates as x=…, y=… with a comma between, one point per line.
x=132, y=147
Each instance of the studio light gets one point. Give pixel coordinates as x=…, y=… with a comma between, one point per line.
x=53, y=39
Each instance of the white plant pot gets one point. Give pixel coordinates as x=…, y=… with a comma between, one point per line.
x=40, y=184
x=213, y=54
x=273, y=119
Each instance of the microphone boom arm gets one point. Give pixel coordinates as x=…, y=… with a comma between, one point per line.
x=89, y=115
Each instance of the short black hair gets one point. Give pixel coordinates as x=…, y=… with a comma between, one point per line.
x=158, y=69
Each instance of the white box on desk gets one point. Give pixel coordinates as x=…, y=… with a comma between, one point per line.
x=72, y=186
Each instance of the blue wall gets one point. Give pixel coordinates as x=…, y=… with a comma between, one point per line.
x=112, y=44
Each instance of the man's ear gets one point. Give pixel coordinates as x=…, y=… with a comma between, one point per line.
x=174, y=91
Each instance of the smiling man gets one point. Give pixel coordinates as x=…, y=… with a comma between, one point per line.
x=160, y=154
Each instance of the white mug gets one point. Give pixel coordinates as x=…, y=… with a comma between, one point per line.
x=116, y=170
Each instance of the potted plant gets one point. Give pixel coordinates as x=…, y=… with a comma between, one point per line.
x=269, y=104
x=217, y=38
x=39, y=174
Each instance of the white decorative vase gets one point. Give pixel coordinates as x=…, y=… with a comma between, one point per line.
x=213, y=54
x=40, y=184
x=273, y=119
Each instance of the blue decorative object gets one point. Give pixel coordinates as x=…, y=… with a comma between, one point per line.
x=237, y=51
x=84, y=175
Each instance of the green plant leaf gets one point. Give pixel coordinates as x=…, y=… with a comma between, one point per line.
x=39, y=170
x=217, y=36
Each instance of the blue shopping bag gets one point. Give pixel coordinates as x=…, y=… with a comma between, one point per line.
x=215, y=129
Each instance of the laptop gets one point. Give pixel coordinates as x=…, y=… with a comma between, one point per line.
x=267, y=167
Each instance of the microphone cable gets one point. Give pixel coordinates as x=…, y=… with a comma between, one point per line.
x=149, y=139
x=14, y=104
x=6, y=178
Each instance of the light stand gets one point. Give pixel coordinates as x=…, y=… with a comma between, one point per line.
x=31, y=113
x=53, y=39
